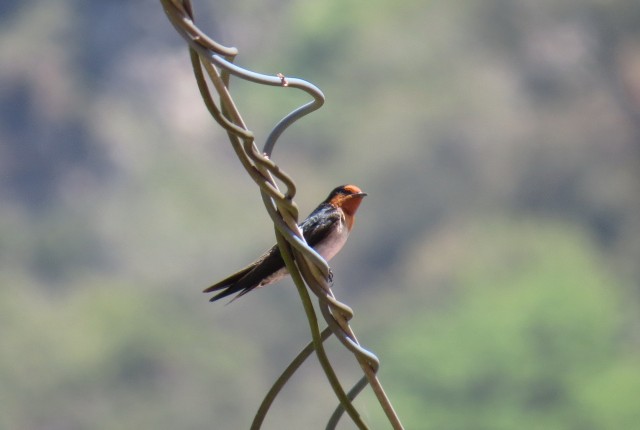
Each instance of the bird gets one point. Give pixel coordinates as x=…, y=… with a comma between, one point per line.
x=325, y=230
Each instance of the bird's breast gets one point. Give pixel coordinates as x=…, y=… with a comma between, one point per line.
x=334, y=241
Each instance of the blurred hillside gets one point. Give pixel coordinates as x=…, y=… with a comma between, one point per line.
x=494, y=267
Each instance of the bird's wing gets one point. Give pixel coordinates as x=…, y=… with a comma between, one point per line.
x=319, y=224
x=315, y=228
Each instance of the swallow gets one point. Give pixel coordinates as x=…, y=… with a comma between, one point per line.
x=326, y=230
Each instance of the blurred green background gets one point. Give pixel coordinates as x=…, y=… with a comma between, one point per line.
x=494, y=265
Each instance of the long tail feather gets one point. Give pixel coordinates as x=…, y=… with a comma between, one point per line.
x=229, y=285
x=250, y=277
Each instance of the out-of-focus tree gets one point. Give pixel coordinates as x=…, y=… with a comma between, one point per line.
x=527, y=335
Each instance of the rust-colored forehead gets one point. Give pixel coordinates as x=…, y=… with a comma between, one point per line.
x=343, y=193
x=352, y=189
x=347, y=197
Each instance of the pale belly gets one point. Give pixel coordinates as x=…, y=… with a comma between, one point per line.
x=327, y=249
x=333, y=243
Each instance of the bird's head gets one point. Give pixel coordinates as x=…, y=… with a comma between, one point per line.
x=347, y=197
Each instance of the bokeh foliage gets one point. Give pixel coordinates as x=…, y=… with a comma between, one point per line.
x=493, y=267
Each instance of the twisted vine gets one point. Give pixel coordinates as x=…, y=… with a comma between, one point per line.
x=213, y=67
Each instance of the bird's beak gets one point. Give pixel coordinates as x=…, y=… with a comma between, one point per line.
x=360, y=194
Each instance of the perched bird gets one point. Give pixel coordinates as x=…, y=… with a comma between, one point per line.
x=325, y=230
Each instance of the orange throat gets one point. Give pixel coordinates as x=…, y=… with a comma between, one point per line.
x=349, y=207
